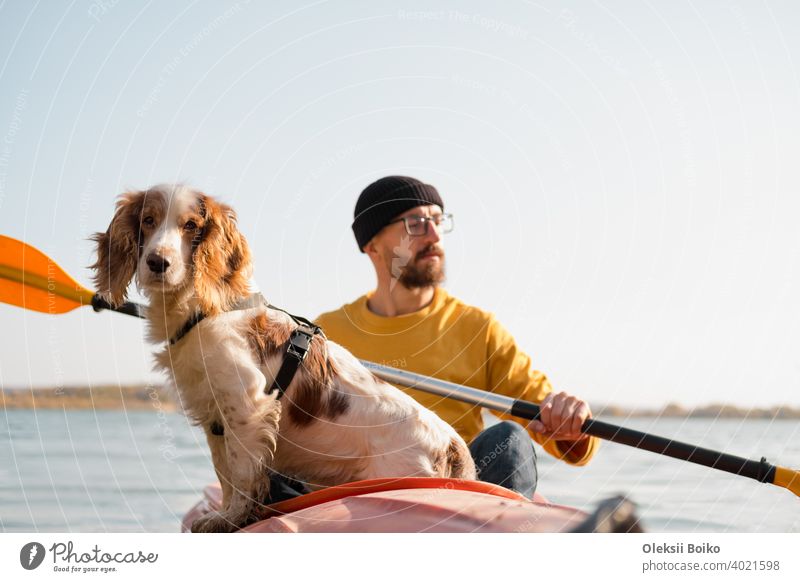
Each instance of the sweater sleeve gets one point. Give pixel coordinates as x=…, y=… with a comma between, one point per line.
x=510, y=372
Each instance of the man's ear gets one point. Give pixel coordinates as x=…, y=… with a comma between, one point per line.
x=370, y=248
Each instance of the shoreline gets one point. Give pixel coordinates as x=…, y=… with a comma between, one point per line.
x=148, y=397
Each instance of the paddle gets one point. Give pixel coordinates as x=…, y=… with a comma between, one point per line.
x=758, y=470
x=30, y=279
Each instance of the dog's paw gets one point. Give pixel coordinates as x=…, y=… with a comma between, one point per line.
x=215, y=522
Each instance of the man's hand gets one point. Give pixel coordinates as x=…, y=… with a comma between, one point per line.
x=561, y=417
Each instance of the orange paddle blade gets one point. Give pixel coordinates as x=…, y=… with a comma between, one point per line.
x=785, y=477
x=32, y=280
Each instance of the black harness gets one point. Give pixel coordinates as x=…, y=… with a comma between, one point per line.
x=296, y=351
x=296, y=348
x=253, y=300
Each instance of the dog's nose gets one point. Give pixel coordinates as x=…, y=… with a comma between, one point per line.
x=157, y=263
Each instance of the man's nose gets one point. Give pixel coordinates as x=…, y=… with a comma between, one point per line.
x=157, y=263
x=432, y=235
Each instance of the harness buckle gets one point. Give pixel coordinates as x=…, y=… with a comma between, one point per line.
x=298, y=347
x=299, y=343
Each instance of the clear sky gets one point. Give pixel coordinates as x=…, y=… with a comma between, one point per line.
x=623, y=175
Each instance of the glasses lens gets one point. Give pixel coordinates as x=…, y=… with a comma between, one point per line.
x=415, y=226
x=418, y=226
x=443, y=222
x=446, y=223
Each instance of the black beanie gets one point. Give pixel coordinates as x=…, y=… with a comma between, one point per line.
x=384, y=200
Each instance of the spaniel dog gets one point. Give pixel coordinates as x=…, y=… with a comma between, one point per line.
x=337, y=422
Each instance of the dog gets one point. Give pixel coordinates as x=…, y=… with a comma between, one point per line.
x=336, y=421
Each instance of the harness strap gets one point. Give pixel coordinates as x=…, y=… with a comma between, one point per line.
x=299, y=320
x=253, y=300
x=296, y=352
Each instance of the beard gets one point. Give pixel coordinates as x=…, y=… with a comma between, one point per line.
x=417, y=276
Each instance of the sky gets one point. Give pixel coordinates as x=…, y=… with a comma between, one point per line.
x=623, y=175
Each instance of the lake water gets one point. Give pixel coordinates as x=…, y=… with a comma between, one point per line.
x=114, y=471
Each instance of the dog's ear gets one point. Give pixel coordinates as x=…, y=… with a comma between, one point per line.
x=222, y=264
x=118, y=249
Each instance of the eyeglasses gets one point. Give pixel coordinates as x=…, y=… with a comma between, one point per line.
x=418, y=225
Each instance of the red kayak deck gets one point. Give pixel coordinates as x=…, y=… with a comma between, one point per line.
x=407, y=505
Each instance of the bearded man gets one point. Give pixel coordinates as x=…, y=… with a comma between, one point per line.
x=409, y=321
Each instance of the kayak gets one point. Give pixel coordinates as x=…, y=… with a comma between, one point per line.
x=422, y=504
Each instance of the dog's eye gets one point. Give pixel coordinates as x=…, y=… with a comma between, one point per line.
x=190, y=225
x=148, y=221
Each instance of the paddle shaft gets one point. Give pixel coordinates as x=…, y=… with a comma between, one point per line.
x=758, y=470
x=127, y=308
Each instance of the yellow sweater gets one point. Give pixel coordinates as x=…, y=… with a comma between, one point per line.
x=451, y=341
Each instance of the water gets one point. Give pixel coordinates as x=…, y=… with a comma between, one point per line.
x=676, y=496
x=106, y=471
x=114, y=471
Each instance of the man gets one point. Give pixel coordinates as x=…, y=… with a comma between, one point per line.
x=410, y=322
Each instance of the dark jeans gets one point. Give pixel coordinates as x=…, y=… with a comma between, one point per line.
x=504, y=455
